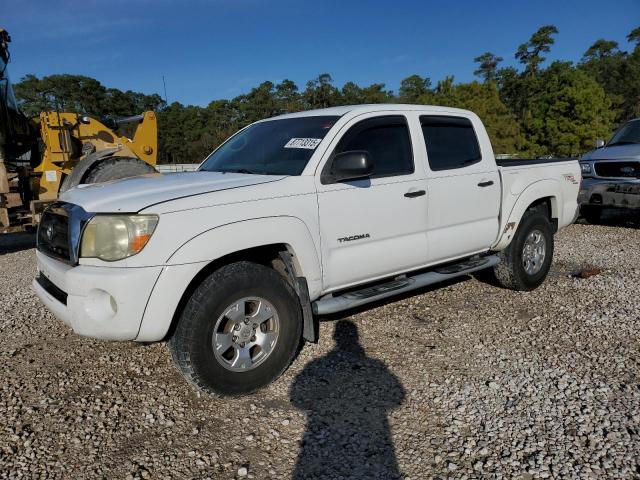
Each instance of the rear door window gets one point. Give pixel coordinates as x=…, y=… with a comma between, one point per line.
x=451, y=142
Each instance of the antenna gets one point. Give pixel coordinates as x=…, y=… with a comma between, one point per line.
x=164, y=85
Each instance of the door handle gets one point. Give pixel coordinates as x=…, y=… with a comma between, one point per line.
x=486, y=184
x=415, y=193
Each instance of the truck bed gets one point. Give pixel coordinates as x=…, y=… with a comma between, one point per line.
x=555, y=178
x=523, y=162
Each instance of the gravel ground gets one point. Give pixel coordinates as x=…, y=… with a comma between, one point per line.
x=464, y=381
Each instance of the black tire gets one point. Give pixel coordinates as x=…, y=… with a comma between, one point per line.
x=510, y=272
x=191, y=344
x=115, y=168
x=592, y=214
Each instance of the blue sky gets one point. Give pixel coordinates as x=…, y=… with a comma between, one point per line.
x=221, y=48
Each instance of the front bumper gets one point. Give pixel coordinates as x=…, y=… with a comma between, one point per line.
x=101, y=302
x=610, y=193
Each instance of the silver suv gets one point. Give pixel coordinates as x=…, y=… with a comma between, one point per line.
x=611, y=173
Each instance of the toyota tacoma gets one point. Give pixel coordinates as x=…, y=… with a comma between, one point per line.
x=293, y=218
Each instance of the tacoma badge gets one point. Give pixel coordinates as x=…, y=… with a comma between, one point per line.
x=354, y=237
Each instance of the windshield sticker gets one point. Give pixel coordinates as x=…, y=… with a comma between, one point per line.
x=308, y=143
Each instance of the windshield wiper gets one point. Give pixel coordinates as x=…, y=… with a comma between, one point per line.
x=241, y=170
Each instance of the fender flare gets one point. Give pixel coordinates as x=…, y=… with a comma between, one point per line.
x=549, y=188
x=83, y=166
x=230, y=238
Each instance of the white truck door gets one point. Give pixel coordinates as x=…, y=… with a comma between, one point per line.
x=373, y=227
x=464, y=188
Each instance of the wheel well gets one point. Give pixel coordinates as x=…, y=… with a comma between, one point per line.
x=548, y=207
x=267, y=255
x=596, y=199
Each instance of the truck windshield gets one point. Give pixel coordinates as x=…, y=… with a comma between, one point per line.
x=273, y=147
x=628, y=134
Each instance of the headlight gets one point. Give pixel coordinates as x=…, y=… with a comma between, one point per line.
x=114, y=237
x=585, y=167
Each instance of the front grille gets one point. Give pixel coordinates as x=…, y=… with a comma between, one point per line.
x=51, y=289
x=60, y=230
x=53, y=234
x=618, y=169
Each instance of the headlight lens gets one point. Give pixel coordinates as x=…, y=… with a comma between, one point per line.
x=114, y=237
x=586, y=167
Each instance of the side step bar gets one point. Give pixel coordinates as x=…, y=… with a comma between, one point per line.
x=352, y=299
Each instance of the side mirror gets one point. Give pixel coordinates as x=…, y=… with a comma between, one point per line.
x=85, y=119
x=351, y=165
x=599, y=143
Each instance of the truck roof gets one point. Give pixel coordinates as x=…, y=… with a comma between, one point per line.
x=376, y=107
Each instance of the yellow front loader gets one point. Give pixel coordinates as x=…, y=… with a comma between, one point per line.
x=75, y=149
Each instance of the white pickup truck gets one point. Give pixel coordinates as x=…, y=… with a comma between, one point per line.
x=292, y=218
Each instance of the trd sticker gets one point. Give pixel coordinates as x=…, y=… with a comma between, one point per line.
x=570, y=178
x=354, y=237
x=308, y=143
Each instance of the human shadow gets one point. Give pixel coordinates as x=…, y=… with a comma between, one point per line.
x=347, y=397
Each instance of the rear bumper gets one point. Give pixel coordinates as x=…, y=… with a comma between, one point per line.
x=609, y=193
x=101, y=302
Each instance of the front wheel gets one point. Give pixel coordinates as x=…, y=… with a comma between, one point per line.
x=239, y=331
x=525, y=263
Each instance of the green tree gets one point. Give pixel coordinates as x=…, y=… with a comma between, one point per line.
x=74, y=93
x=487, y=66
x=287, y=97
x=445, y=87
x=530, y=53
x=484, y=100
x=184, y=136
x=509, y=86
x=601, y=49
x=80, y=94
x=413, y=88
x=630, y=71
x=630, y=87
x=320, y=93
x=259, y=103
x=569, y=111
x=376, y=93
x=604, y=62
x=120, y=104
x=352, y=94
x=618, y=73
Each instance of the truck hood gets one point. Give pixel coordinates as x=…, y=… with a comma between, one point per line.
x=136, y=193
x=617, y=152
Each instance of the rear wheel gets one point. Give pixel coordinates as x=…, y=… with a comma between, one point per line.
x=115, y=168
x=525, y=263
x=239, y=331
